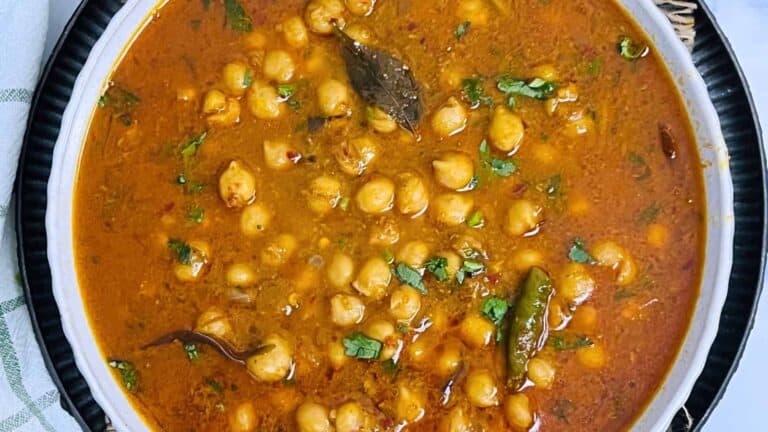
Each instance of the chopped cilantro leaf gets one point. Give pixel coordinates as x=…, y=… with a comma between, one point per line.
x=192, y=352
x=190, y=148
x=494, y=309
x=409, y=276
x=537, y=88
x=390, y=367
x=561, y=343
x=462, y=29
x=438, y=266
x=360, y=346
x=472, y=267
x=214, y=385
x=237, y=18
x=388, y=256
x=285, y=91
x=128, y=374
x=631, y=51
x=649, y=215
x=499, y=167
x=182, y=250
x=474, y=92
x=578, y=252
x=247, y=79
x=476, y=220
x=196, y=214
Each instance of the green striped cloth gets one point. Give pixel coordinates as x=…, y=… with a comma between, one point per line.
x=28, y=399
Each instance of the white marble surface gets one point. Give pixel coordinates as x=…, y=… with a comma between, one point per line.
x=746, y=401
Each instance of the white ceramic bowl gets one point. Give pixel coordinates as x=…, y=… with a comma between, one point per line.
x=126, y=25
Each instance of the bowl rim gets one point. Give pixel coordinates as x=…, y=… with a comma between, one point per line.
x=94, y=373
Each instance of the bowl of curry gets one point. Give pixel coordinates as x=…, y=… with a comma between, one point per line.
x=453, y=215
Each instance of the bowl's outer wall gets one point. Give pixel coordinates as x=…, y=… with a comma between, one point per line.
x=718, y=68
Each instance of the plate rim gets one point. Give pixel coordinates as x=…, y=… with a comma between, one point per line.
x=74, y=21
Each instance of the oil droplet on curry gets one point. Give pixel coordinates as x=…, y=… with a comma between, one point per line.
x=349, y=215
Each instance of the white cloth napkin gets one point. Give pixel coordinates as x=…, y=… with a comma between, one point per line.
x=28, y=399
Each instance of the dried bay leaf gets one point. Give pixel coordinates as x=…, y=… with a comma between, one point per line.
x=382, y=80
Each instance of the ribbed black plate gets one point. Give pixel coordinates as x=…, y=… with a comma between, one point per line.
x=712, y=55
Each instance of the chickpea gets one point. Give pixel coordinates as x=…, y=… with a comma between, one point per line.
x=380, y=121
x=385, y=232
x=214, y=322
x=524, y=259
x=312, y=417
x=409, y=403
x=279, y=155
x=235, y=78
x=591, y=357
x=546, y=72
x=450, y=119
x=404, y=303
x=333, y=98
x=657, y=235
x=354, y=155
x=384, y=332
x=279, y=250
x=255, y=40
x=341, y=270
x=456, y=421
x=321, y=15
x=295, y=32
x=360, y=7
x=240, y=275
x=373, y=279
x=198, y=263
x=421, y=350
x=243, y=418
x=324, y=194
x=414, y=254
x=523, y=218
x=278, y=66
x=450, y=358
x=347, y=310
x=584, y=320
x=474, y=11
x=255, y=219
x=350, y=417
x=264, y=101
x=359, y=32
x=237, y=185
x=610, y=254
x=481, y=389
x=517, y=408
x=228, y=116
x=412, y=197
x=452, y=209
x=541, y=372
x=476, y=331
x=506, y=130
x=376, y=196
x=576, y=285
x=336, y=355
x=454, y=170
x=274, y=364
x=215, y=101
x=454, y=262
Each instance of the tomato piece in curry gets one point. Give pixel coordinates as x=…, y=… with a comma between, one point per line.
x=443, y=215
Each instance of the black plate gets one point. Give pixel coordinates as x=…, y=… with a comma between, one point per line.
x=712, y=55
